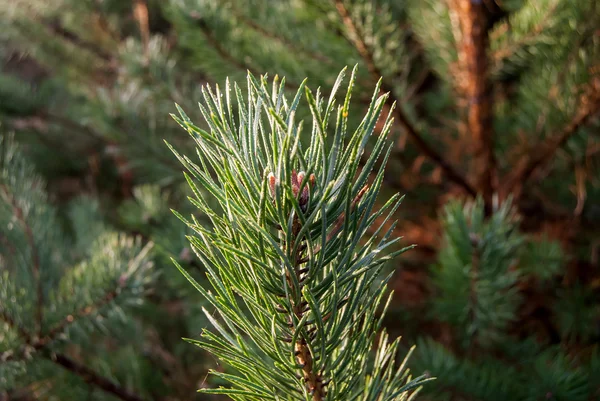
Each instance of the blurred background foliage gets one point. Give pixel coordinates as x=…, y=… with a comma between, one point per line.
x=497, y=149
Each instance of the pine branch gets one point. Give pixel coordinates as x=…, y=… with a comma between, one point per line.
x=472, y=80
x=56, y=28
x=72, y=125
x=228, y=57
x=216, y=45
x=309, y=280
x=12, y=324
x=92, y=377
x=294, y=48
x=101, y=140
x=83, y=312
x=19, y=215
x=545, y=151
x=502, y=54
x=87, y=374
x=356, y=38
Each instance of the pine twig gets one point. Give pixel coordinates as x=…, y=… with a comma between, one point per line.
x=359, y=43
x=472, y=81
x=304, y=355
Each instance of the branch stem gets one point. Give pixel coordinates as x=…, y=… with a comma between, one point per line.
x=84, y=311
x=304, y=357
x=472, y=82
x=356, y=38
x=93, y=377
x=536, y=160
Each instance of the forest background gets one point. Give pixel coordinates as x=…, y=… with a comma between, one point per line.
x=497, y=149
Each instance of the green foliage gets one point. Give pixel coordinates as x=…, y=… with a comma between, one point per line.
x=476, y=276
x=56, y=290
x=292, y=283
x=548, y=375
x=483, y=267
x=577, y=312
x=438, y=42
x=542, y=260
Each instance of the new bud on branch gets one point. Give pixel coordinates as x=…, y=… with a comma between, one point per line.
x=297, y=184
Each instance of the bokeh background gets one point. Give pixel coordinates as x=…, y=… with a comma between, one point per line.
x=497, y=149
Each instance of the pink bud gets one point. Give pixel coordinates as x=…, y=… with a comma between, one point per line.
x=272, y=182
x=303, y=200
x=295, y=183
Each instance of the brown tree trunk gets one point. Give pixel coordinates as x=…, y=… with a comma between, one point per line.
x=472, y=82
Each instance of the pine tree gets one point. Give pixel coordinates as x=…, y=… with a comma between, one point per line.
x=495, y=102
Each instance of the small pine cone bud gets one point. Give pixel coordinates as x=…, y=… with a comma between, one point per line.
x=295, y=183
x=475, y=240
x=272, y=182
x=185, y=255
x=303, y=200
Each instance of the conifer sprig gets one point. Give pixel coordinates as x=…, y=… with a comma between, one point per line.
x=51, y=295
x=294, y=284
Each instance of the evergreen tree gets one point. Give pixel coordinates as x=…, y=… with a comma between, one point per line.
x=495, y=102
